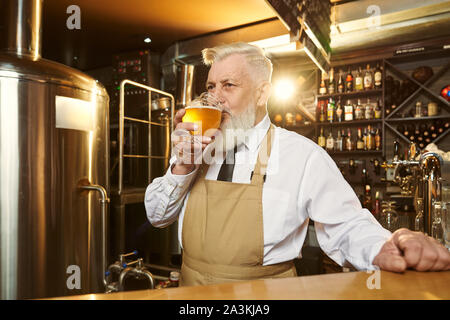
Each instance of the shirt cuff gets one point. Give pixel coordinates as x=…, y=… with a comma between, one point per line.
x=180, y=182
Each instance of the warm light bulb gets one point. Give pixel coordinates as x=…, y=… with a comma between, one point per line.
x=147, y=40
x=284, y=89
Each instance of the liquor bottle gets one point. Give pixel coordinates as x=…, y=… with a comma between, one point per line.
x=433, y=131
x=370, y=141
x=378, y=76
x=368, y=198
x=321, y=141
x=365, y=138
x=368, y=79
x=349, y=81
x=377, y=140
x=418, y=113
x=331, y=83
x=348, y=141
x=359, y=141
x=323, y=87
x=410, y=132
x=322, y=112
x=330, y=142
x=348, y=111
x=377, y=111
x=339, y=111
x=439, y=127
x=359, y=80
x=358, y=111
x=369, y=111
x=330, y=110
x=339, y=142
x=341, y=85
x=377, y=206
x=417, y=132
x=424, y=130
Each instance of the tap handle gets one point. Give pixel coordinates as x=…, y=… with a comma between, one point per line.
x=396, y=149
x=412, y=151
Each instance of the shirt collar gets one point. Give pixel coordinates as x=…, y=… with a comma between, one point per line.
x=256, y=134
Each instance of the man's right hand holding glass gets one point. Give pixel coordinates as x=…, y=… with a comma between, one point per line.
x=187, y=148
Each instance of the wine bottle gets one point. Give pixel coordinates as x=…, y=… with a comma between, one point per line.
x=349, y=81
x=358, y=111
x=323, y=88
x=348, y=141
x=378, y=76
x=359, y=80
x=368, y=114
x=339, y=111
x=368, y=79
x=330, y=142
x=331, y=83
x=377, y=111
x=348, y=111
x=359, y=141
x=341, y=85
x=377, y=139
x=321, y=141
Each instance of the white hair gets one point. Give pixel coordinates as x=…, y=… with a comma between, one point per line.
x=254, y=56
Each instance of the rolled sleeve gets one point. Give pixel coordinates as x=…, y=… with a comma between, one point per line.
x=164, y=197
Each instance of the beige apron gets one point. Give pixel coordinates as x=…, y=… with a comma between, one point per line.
x=222, y=233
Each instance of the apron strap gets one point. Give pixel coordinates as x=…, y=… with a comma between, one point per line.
x=259, y=173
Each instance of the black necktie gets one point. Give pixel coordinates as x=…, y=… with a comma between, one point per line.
x=227, y=168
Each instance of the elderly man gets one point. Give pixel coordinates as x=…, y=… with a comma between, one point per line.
x=254, y=225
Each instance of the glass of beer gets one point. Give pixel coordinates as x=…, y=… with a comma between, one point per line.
x=206, y=112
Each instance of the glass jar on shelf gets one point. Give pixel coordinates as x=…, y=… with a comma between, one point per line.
x=389, y=216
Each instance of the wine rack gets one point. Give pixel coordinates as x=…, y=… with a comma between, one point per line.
x=390, y=118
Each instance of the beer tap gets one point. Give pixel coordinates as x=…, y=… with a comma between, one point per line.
x=352, y=166
x=376, y=166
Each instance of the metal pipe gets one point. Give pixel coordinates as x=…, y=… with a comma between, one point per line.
x=22, y=32
x=104, y=201
x=136, y=272
x=430, y=164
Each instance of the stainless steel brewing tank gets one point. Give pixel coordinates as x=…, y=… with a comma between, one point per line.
x=53, y=135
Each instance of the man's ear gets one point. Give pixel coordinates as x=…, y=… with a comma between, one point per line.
x=264, y=92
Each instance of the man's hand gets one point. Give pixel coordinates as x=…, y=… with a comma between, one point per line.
x=415, y=250
x=187, y=147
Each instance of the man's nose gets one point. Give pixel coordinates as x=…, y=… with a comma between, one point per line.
x=217, y=94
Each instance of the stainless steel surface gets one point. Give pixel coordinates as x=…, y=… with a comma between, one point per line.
x=22, y=34
x=430, y=164
x=49, y=227
x=138, y=271
x=104, y=202
x=185, y=80
x=122, y=119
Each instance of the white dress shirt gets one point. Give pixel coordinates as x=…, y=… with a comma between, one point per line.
x=302, y=182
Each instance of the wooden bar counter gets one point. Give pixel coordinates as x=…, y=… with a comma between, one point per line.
x=346, y=286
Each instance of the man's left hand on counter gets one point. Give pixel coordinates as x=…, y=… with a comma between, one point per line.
x=407, y=249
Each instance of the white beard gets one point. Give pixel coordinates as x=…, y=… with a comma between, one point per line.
x=234, y=129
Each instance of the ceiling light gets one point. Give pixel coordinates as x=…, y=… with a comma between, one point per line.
x=276, y=44
x=147, y=40
x=284, y=89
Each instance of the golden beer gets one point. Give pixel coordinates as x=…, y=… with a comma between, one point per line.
x=206, y=117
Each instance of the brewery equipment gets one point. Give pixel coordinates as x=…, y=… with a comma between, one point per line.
x=54, y=167
x=427, y=184
x=185, y=80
